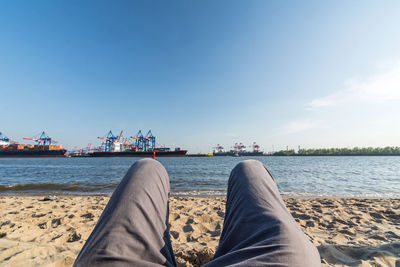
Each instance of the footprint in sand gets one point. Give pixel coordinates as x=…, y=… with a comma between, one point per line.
x=56, y=222
x=376, y=215
x=174, y=216
x=187, y=228
x=221, y=214
x=378, y=237
x=74, y=236
x=13, y=212
x=87, y=215
x=43, y=225
x=300, y=216
x=174, y=234
x=346, y=232
x=38, y=215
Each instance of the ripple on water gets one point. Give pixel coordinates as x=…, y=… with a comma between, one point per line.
x=296, y=176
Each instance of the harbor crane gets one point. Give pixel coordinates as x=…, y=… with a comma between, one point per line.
x=256, y=147
x=151, y=140
x=110, y=140
x=145, y=143
x=5, y=140
x=138, y=140
x=42, y=139
x=239, y=147
x=219, y=148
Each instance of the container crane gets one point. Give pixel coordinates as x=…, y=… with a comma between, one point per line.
x=219, y=148
x=241, y=147
x=256, y=147
x=4, y=140
x=145, y=143
x=42, y=139
x=139, y=139
x=110, y=140
x=235, y=147
x=151, y=139
x=120, y=135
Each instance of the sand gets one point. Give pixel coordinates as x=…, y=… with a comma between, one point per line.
x=50, y=231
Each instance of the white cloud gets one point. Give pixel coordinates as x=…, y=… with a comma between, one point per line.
x=380, y=88
x=364, y=112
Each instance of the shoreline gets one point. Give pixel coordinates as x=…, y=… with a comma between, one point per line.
x=50, y=230
x=177, y=194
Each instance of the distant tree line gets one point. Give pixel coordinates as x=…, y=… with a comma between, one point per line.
x=356, y=151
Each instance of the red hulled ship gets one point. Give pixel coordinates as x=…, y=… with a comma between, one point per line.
x=135, y=146
x=44, y=147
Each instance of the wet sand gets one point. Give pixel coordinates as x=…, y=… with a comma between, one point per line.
x=51, y=231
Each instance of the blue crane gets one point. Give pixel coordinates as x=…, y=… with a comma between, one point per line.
x=151, y=139
x=110, y=140
x=144, y=143
x=4, y=138
x=42, y=139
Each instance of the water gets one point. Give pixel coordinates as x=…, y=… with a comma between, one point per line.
x=296, y=176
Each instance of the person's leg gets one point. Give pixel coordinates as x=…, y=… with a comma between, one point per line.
x=258, y=229
x=132, y=229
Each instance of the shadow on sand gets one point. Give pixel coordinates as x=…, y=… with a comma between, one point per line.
x=384, y=255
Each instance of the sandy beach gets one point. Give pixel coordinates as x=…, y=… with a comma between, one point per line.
x=50, y=231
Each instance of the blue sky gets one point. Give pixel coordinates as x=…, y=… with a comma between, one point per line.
x=198, y=73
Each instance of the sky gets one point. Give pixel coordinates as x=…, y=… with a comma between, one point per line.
x=200, y=73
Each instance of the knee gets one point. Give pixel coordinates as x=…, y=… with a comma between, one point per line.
x=247, y=166
x=249, y=169
x=248, y=163
x=147, y=164
x=146, y=170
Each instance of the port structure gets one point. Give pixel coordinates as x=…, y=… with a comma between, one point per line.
x=81, y=151
x=239, y=147
x=4, y=140
x=112, y=142
x=255, y=147
x=219, y=149
x=116, y=143
x=42, y=139
x=144, y=143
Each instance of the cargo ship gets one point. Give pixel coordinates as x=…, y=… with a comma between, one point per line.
x=134, y=146
x=43, y=148
x=220, y=151
x=251, y=153
x=150, y=153
x=238, y=150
